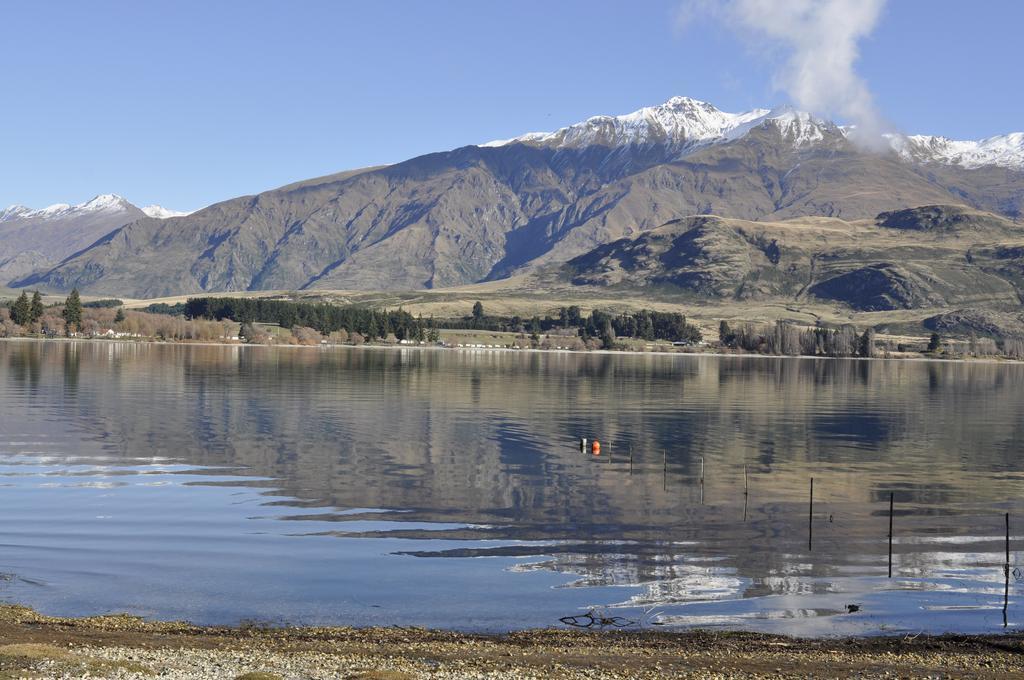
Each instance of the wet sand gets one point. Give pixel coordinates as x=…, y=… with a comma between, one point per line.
x=37, y=646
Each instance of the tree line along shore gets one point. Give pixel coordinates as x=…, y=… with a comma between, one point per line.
x=266, y=321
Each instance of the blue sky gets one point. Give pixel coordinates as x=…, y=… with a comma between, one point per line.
x=186, y=103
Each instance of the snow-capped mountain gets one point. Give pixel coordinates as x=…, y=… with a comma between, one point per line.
x=680, y=120
x=104, y=203
x=687, y=123
x=1002, y=150
x=692, y=125
x=476, y=214
x=33, y=239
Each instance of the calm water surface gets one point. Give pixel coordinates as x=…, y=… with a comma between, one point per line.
x=442, y=488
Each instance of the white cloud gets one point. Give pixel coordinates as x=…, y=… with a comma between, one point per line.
x=819, y=40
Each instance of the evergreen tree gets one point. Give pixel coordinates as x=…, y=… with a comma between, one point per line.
x=607, y=335
x=21, y=310
x=478, y=311
x=867, y=343
x=935, y=343
x=725, y=334
x=647, y=329
x=73, y=311
x=373, y=328
x=37, y=306
x=119, y=317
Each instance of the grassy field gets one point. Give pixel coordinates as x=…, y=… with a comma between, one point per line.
x=518, y=296
x=469, y=337
x=529, y=296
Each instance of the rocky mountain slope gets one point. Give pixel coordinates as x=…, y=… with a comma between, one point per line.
x=932, y=256
x=31, y=240
x=484, y=212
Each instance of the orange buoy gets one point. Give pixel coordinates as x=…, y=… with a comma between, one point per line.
x=595, y=448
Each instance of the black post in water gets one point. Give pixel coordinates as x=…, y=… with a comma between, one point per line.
x=702, y=480
x=1006, y=574
x=810, y=516
x=746, y=493
x=891, y=497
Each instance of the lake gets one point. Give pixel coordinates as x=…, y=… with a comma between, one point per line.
x=440, y=488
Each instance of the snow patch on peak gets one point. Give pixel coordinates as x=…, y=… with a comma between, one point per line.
x=104, y=202
x=50, y=210
x=162, y=213
x=799, y=127
x=688, y=123
x=528, y=138
x=691, y=124
x=680, y=120
x=12, y=211
x=1005, y=151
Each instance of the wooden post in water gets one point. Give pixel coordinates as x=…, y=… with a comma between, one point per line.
x=891, y=498
x=1006, y=574
x=810, y=516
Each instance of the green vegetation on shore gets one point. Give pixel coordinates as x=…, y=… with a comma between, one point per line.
x=273, y=320
x=371, y=323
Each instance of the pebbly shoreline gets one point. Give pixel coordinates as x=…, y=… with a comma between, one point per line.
x=33, y=645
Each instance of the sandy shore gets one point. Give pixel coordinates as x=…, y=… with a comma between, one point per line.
x=37, y=646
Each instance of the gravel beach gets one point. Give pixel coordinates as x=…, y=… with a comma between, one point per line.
x=37, y=646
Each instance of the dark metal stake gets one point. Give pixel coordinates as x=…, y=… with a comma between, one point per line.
x=810, y=517
x=891, y=497
x=746, y=493
x=702, y=480
x=1006, y=574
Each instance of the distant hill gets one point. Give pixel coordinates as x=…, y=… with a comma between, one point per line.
x=481, y=213
x=931, y=256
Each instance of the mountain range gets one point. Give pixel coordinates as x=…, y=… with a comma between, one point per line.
x=32, y=240
x=484, y=212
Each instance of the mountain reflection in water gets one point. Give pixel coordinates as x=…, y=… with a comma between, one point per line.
x=360, y=486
